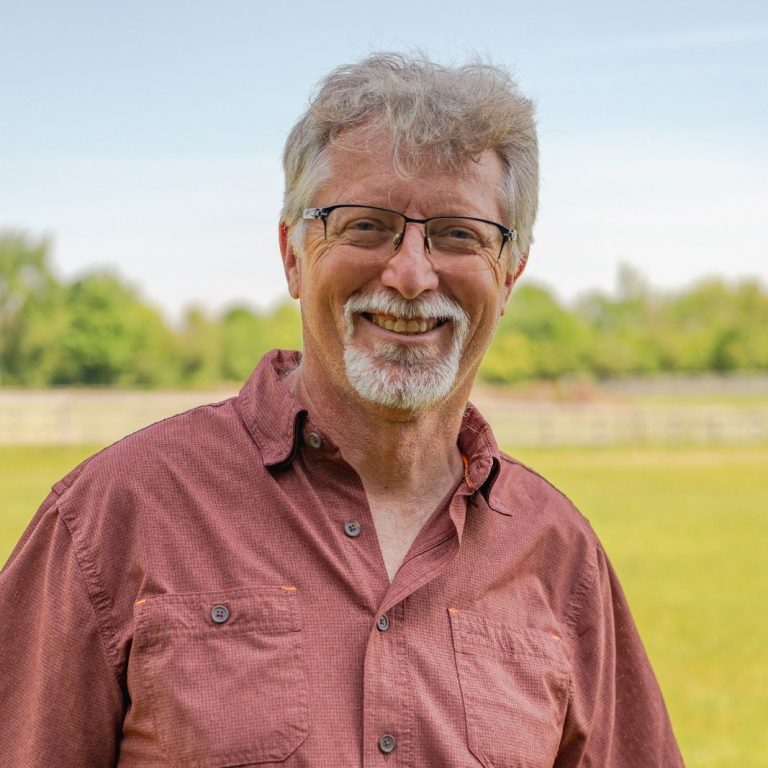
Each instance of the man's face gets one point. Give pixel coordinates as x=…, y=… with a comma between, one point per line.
x=402, y=328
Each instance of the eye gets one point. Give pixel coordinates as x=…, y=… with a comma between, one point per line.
x=460, y=233
x=455, y=229
x=362, y=227
x=367, y=224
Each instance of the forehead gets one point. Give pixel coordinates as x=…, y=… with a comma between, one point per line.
x=365, y=172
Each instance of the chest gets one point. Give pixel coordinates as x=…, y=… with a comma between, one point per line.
x=319, y=658
x=304, y=664
x=397, y=526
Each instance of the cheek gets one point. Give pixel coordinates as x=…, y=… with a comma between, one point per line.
x=484, y=309
x=322, y=305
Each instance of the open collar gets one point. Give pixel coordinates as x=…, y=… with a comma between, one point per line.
x=276, y=420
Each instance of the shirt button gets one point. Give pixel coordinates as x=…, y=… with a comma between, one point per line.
x=352, y=528
x=219, y=613
x=387, y=743
x=314, y=439
x=383, y=623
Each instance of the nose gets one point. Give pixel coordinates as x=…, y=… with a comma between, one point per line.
x=410, y=270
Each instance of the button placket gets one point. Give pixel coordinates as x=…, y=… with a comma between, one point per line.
x=388, y=689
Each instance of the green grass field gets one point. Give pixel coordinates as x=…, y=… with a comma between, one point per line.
x=687, y=530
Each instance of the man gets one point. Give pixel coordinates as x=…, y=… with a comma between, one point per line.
x=338, y=567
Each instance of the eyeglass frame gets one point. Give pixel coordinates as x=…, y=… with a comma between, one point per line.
x=507, y=235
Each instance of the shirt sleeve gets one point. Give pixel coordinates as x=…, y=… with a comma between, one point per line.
x=60, y=700
x=616, y=716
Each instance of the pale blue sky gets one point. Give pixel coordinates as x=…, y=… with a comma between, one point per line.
x=147, y=135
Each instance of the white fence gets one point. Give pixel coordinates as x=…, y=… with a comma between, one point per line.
x=545, y=423
x=71, y=417
x=102, y=416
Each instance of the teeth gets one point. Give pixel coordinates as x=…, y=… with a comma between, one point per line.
x=401, y=325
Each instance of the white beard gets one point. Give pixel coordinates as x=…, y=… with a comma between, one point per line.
x=404, y=376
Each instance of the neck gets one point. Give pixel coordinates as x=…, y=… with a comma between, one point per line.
x=393, y=451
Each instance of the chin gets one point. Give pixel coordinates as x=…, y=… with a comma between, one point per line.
x=402, y=377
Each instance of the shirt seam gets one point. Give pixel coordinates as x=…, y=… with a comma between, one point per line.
x=574, y=607
x=97, y=598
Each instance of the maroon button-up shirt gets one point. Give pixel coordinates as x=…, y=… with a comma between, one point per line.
x=210, y=592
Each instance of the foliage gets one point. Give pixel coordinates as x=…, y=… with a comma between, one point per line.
x=97, y=330
x=711, y=326
x=28, y=290
x=111, y=337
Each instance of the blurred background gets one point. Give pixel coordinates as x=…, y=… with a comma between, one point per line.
x=140, y=188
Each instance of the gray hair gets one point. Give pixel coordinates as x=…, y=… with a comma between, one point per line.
x=436, y=116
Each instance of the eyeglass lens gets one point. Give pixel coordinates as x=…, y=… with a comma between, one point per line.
x=449, y=236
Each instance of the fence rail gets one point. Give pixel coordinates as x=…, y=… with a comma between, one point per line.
x=99, y=417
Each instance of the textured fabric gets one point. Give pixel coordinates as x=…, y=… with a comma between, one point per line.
x=193, y=596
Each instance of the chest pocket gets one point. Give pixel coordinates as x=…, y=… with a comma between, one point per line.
x=223, y=675
x=514, y=683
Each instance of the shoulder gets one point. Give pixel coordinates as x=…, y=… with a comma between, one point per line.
x=126, y=507
x=547, y=529
x=153, y=477
x=150, y=452
x=520, y=490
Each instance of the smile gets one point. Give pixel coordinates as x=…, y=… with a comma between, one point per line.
x=402, y=325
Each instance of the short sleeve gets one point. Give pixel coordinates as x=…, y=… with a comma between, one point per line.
x=60, y=700
x=616, y=716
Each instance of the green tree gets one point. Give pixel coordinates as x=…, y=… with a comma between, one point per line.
x=244, y=338
x=112, y=337
x=624, y=327
x=27, y=288
x=247, y=335
x=283, y=327
x=200, y=349
x=536, y=337
x=510, y=358
x=717, y=326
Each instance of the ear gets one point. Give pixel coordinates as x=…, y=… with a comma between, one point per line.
x=510, y=279
x=291, y=262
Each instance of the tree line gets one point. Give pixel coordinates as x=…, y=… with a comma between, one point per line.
x=96, y=330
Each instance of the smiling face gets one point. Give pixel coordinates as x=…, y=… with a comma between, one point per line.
x=401, y=328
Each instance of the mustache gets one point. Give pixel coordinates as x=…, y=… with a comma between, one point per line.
x=383, y=303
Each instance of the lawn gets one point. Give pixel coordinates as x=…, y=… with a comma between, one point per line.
x=26, y=476
x=687, y=532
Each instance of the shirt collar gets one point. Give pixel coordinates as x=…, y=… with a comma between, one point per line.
x=478, y=445
x=271, y=414
x=275, y=420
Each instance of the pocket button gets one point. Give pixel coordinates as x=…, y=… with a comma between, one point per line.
x=220, y=613
x=387, y=743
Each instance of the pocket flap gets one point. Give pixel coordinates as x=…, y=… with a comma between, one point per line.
x=476, y=634
x=266, y=609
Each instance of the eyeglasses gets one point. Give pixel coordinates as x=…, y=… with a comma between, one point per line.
x=376, y=229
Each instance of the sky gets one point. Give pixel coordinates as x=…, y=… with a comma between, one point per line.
x=145, y=137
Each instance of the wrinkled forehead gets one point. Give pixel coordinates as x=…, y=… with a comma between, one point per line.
x=365, y=167
x=407, y=158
